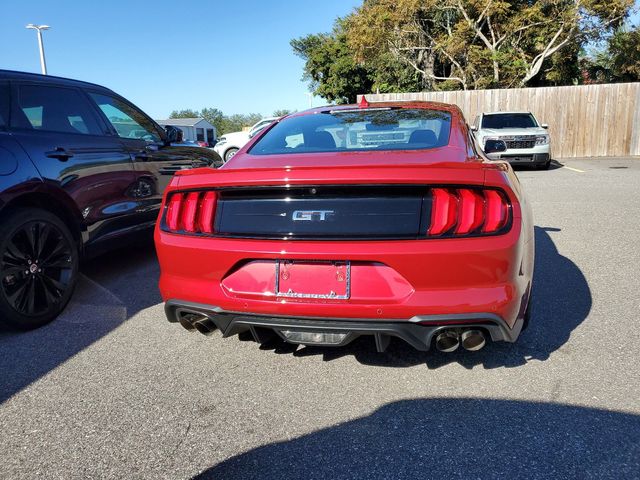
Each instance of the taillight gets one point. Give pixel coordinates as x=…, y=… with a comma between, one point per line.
x=208, y=206
x=458, y=212
x=191, y=212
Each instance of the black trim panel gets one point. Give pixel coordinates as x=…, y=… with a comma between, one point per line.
x=418, y=331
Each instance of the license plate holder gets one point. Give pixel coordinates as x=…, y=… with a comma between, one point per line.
x=324, y=280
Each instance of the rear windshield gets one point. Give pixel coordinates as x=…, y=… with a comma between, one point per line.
x=509, y=120
x=353, y=130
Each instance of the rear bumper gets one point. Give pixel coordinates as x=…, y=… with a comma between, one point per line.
x=398, y=288
x=418, y=331
x=537, y=156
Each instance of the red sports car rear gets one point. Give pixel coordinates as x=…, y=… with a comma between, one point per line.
x=374, y=219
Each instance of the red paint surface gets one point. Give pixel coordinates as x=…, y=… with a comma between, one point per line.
x=393, y=279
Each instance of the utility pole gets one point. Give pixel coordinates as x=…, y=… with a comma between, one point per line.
x=39, y=29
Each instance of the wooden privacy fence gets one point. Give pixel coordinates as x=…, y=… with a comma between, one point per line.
x=584, y=121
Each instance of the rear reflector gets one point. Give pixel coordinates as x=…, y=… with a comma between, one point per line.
x=192, y=212
x=465, y=211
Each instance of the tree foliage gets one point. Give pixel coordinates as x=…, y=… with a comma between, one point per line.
x=282, y=112
x=334, y=72
x=616, y=61
x=223, y=123
x=330, y=67
x=405, y=45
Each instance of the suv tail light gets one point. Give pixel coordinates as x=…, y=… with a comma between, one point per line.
x=191, y=212
x=459, y=212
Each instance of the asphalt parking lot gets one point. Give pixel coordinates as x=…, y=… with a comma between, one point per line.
x=112, y=390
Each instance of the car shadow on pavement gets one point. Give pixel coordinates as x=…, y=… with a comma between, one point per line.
x=561, y=301
x=554, y=165
x=111, y=289
x=454, y=438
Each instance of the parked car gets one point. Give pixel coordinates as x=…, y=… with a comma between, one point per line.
x=379, y=219
x=80, y=168
x=229, y=144
x=527, y=141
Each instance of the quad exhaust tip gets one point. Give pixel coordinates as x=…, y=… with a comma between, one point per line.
x=448, y=341
x=205, y=326
x=188, y=319
x=196, y=321
x=471, y=340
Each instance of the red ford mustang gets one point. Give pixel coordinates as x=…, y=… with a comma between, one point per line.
x=376, y=219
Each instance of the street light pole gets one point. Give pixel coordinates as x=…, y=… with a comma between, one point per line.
x=39, y=29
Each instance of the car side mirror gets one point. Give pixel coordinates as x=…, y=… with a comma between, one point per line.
x=495, y=146
x=544, y=125
x=174, y=134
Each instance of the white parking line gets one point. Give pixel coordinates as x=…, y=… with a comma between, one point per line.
x=574, y=169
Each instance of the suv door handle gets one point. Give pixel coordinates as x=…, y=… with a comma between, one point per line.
x=59, y=153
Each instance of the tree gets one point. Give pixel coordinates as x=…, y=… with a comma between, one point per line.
x=334, y=72
x=624, y=49
x=282, y=112
x=186, y=113
x=330, y=67
x=215, y=117
x=616, y=61
x=481, y=43
x=223, y=123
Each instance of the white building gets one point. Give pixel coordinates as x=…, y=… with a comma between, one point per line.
x=194, y=129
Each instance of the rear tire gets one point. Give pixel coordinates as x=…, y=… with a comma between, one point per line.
x=545, y=165
x=38, y=268
x=230, y=153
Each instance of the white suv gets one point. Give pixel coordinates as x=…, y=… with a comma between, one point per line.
x=527, y=141
x=230, y=143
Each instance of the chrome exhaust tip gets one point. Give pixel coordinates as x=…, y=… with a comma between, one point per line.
x=188, y=319
x=473, y=340
x=205, y=326
x=447, y=341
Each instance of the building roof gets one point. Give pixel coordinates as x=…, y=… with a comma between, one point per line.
x=182, y=122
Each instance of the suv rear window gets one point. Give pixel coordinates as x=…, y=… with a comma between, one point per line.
x=357, y=130
x=509, y=120
x=54, y=109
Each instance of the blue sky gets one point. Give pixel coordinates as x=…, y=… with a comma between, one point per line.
x=166, y=55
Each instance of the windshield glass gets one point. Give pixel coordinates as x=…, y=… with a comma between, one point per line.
x=509, y=120
x=357, y=129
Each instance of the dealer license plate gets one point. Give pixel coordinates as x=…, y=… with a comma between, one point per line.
x=308, y=279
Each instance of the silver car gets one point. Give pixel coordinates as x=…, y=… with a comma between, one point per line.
x=526, y=140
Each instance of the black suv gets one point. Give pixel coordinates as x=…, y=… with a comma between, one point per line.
x=80, y=167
